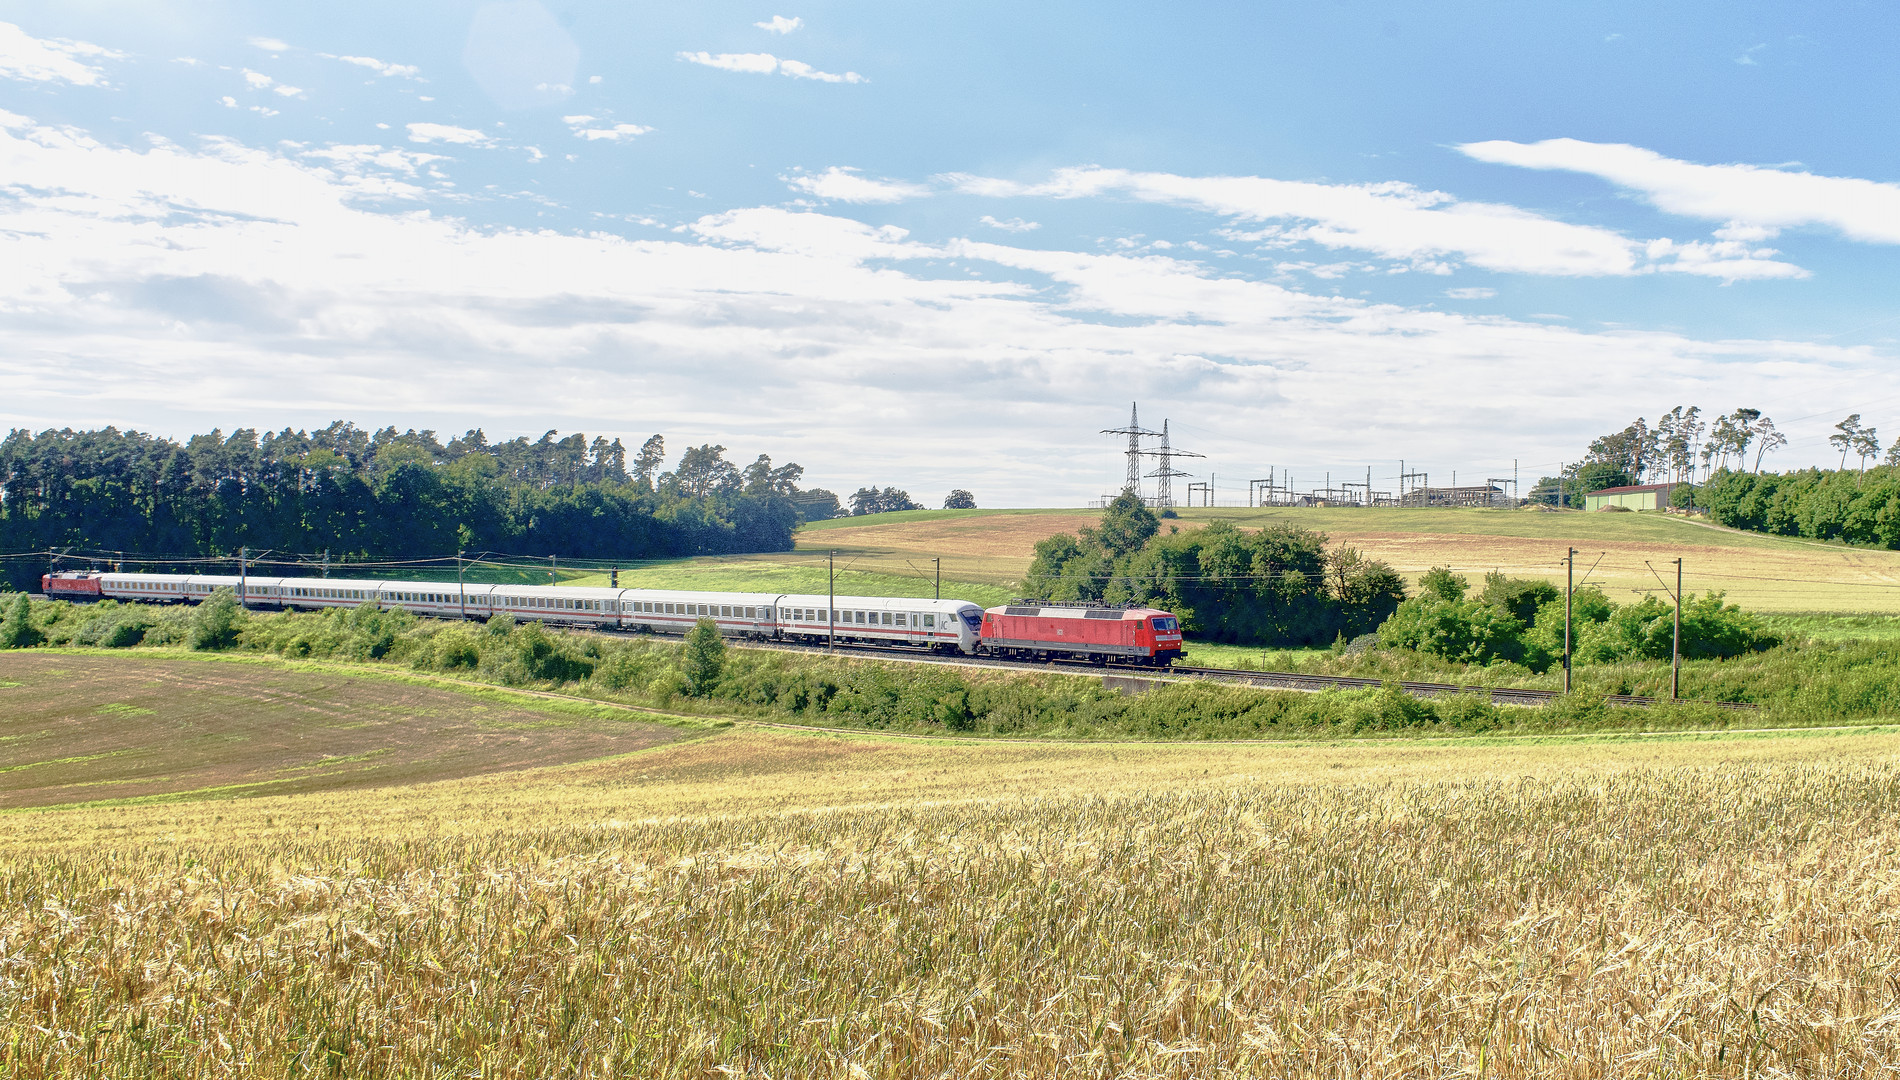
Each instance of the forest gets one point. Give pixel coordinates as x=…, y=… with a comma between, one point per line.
x=363, y=495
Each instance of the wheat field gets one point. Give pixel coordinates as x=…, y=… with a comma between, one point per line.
x=761, y=903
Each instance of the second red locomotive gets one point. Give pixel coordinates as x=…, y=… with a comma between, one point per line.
x=1093, y=632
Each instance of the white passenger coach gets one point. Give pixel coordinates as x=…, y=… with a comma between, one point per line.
x=943, y=625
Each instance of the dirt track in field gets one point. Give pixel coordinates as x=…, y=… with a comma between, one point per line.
x=84, y=728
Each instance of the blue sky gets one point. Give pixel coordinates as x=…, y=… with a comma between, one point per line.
x=939, y=246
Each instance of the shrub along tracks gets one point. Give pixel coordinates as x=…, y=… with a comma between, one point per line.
x=1276, y=680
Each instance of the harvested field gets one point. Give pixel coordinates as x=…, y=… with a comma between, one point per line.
x=79, y=728
x=1762, y=573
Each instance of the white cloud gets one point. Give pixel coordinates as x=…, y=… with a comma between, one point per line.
x=269, y=44
x=287, y=91
x=1010, y=225
x=779, y=24
x=175, y=288
x=258, y=80
x=610, y=133
x=751, y=63
x=407, y=71
x=1423, y=229
x=460, y=136
x=1475, y=293
x=32, y=59
x=766, y=64
x=1752, y=201
x=843, y=184
x=800, y=70
x=372, y=169
x=228, y=101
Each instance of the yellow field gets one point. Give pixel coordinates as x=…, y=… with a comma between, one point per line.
x=791, y=904
x=1762, y=573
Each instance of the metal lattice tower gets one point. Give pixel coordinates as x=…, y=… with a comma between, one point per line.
x=1164, y=476
x=1135, y=433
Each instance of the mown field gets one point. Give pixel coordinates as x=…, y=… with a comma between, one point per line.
x=855, y=574
x=77, y=728
x=772, y=903
x=1762, y=573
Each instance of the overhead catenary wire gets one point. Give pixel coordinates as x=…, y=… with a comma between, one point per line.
x=502, y=560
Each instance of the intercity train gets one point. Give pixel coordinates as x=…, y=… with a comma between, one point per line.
x=940, y=625
x=1025, y=630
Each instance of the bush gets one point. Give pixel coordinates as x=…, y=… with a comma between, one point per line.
x=1439, y=581
x=16, y=628
x=214, y=625
x=1462, y=631
x=704, y=658
x=1519, y=598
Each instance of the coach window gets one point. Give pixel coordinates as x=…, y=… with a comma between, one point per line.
x=930, y=622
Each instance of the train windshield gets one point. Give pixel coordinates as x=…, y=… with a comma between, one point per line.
x=973, y=617
x=1167, y=625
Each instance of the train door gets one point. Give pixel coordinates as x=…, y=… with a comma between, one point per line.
x=914, y=628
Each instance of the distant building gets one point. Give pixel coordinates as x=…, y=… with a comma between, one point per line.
x=1633, y=497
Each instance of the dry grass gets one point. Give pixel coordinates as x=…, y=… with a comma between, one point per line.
x=790, y=905
x=1762, y=573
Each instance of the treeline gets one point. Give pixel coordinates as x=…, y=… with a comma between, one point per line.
x=1820, y=504
x=1277, y=586
x=384, y=494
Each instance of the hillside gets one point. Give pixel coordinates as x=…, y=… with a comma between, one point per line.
x=88, y=728
x=1762, y=573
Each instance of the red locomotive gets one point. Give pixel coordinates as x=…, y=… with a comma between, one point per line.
x=1093, y=632
x=72, y=585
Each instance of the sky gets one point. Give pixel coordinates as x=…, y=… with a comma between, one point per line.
x=944, y=246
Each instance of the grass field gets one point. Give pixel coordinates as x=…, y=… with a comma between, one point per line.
x=768, y=903
x=795, y=572
x=1762, y=573
x=94, y=728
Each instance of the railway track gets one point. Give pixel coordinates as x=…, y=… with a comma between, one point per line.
x=1276, y=680
x=1500, y=695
